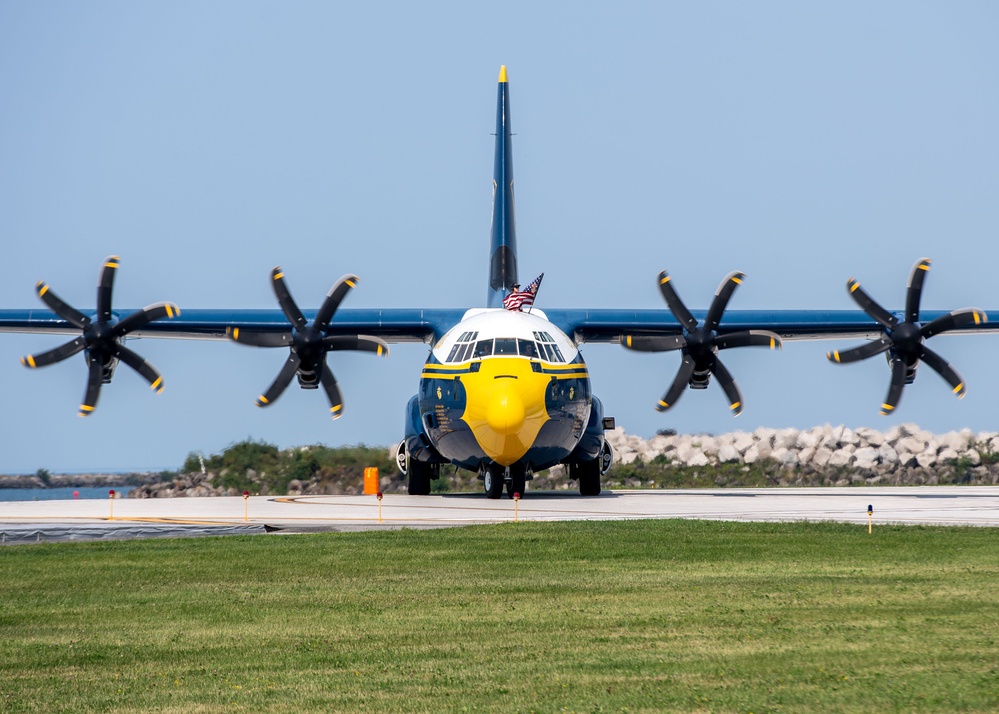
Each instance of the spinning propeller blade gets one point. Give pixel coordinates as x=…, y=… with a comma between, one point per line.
x=700, y=344
x=308, y=343
x=102, y=336
x=903, y=342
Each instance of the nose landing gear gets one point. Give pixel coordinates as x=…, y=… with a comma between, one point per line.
x=515, y=477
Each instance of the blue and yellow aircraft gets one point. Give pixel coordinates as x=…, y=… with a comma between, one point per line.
x=504, y=392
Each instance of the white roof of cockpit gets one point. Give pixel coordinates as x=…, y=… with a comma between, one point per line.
x=499, y=322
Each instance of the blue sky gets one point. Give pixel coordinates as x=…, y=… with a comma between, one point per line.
x=205, y=143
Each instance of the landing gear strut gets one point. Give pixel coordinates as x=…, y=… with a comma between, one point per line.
x=517, y=482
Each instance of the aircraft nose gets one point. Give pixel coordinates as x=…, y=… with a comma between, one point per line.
x=506, y=413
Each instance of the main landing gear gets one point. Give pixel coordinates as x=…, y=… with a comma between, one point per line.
x=588, y=474
x=495, y=476
x=420, y=473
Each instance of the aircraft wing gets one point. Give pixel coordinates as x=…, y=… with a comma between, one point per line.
x=391, y=325
x=615, y=325
x=427, y=325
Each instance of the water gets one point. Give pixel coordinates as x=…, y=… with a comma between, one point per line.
x=63, y=493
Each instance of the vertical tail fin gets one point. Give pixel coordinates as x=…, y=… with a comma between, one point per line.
x=503, y=242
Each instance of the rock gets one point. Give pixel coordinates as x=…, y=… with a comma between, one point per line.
x=805, y=456
x=887, y=455
x=926, y=459
x=841, y=457
x=789, y=459
x=947, y=456
x=911, y=445
x=659, y=443
x=708, y=445
x=807, y=440
x=821, y=457
x=871, y=437
x=698, y=459
x=741, y=441
x=973, y=456
x=954, y=441
x=765, y=435
x=785, y=439
x=865, y=458
x=728, y=453
x=647, y=453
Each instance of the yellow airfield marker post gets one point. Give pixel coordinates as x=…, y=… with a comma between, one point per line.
x=870, y=517
x=246, y=506
x=516, y=507
x=111, y=497
x=379, y=506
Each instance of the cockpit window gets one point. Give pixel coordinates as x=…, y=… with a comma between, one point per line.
x=462, y=349
x=505, y=346
x=547, y=349
x=483, y=348
x=468, y=346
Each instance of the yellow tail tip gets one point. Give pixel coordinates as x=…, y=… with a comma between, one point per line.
x=502, y=74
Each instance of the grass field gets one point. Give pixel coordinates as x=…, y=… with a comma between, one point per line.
x=623, y=616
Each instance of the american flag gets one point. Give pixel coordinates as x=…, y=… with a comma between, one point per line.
x=519, y=298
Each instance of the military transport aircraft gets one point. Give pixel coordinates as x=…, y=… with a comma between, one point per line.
x=504, y=392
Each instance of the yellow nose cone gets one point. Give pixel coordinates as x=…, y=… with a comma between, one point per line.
x=505, y=413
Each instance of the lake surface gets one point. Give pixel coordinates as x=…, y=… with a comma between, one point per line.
x=61, y=494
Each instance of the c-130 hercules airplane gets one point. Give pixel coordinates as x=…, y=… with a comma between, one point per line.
x=504, y=392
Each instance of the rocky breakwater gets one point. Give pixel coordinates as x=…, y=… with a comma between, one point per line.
x=825, y=455
x=199, y=484
x=44, y=479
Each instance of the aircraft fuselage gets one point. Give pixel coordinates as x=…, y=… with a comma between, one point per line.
x=504, y=387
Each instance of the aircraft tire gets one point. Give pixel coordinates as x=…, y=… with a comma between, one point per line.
x=419, y=478
x=493, y=481
x=517, y=482
x=589, y=478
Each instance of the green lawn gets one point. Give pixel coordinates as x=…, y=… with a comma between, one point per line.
x=624, y=616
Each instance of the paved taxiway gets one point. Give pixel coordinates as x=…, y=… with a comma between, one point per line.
x=90, y=519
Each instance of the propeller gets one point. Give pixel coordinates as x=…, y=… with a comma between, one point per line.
x=308, y=343
x=102, y=336
x=903, y=341
x=700, y=343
